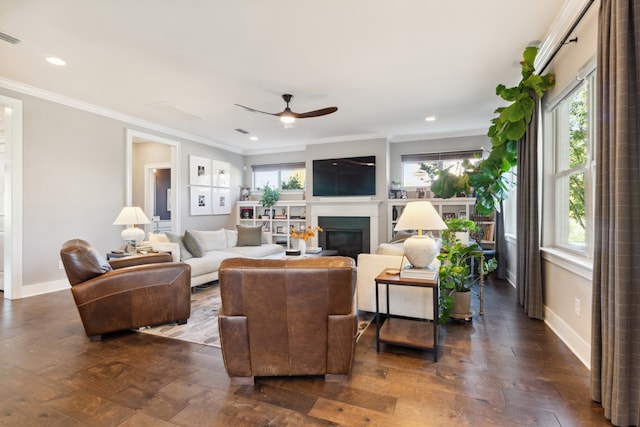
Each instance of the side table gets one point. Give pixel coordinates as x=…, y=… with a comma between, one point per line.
x=407, y=332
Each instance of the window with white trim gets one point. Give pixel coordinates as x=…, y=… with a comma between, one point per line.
x=284, y=176
x=574, y=168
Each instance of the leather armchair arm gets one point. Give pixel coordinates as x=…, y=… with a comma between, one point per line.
x=140, y=260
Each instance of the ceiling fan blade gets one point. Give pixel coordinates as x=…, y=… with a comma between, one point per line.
x=253, y=110
x=316, y=113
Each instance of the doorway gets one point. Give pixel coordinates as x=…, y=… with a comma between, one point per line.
x=11, y=197
x=141, y=181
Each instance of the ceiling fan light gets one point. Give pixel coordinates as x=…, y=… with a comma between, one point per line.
x=287, y=119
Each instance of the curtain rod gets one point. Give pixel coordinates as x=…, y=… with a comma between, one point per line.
x=566, y=36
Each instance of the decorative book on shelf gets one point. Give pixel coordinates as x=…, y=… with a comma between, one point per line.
x=426, y=273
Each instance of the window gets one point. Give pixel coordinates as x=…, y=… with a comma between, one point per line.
x=574, y=168
x=416, y=168
x=289, y=176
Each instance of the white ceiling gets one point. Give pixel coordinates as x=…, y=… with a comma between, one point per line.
x=386, y=65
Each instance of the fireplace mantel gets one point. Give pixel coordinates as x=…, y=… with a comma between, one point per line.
x=348, y=207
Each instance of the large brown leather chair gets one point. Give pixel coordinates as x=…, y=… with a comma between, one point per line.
x=288, y=317
x=125, y=293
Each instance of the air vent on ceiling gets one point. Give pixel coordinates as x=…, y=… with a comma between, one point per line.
x=8, y=38
x=242, y=131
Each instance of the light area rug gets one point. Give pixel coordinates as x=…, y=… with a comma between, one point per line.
x=202, y=326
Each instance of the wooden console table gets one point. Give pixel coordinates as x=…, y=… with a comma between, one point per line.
x=407, y=332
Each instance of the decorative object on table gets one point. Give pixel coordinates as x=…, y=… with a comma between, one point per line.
x=420, y=250
x=245, y=192
x=457, y=279
x=303, y=235
x=458, y=229
x=395, y=184
x=132, y=236
x=270, y=196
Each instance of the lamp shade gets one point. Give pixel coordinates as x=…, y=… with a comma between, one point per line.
x=131, y=215
x=420, y=250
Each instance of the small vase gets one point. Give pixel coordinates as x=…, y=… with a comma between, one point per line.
x=302, y=246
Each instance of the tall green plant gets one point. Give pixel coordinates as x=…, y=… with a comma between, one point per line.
x=490, y=179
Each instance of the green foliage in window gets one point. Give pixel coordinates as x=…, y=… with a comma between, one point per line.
x=490, y=179
x=294, y=183
x=577, y=155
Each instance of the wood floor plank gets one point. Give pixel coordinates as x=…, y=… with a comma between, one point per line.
x=500, y=369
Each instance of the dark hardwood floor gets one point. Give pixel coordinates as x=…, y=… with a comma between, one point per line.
x=502, y=369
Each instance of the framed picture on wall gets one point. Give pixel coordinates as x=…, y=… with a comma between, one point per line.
x=200, y=201
x=221, y=201
x=221, y=173
x=199, y=171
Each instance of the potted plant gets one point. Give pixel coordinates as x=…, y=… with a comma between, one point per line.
x=270, y=196
x=457, y=279
x=458, y=230
x=395, y=184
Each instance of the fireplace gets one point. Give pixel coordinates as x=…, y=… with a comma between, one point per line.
x=348, y=217
x=350, y=236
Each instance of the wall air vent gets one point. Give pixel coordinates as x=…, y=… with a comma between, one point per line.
x=8, y=38
x=242, y=131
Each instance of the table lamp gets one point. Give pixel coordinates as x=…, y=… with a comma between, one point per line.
x=420, y=250
x=131, y=215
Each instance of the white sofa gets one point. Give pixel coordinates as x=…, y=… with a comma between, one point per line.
x=405, y=300
x=214, y=247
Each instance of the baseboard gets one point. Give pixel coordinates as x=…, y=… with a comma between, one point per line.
x=43, y=288
x=575, y=342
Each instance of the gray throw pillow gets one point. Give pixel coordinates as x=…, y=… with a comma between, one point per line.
x=177, y=238
x=249, y=236
x=192, y=244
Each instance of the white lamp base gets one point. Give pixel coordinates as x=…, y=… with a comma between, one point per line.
x=132, y=233
x=420, y=250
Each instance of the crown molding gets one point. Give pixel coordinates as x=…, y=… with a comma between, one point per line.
x=442, y=135
x=105, y=112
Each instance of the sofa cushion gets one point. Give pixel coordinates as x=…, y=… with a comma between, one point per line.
x=208, y=263
x=249, y=236
x=158, y=238
x=177, y=238
x=192, y=244
x=391, y=249
x=211, y=240
x=232, y=237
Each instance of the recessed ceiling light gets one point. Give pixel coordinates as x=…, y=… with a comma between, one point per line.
x=253, y=138
x=430, y=119
x=55, y=61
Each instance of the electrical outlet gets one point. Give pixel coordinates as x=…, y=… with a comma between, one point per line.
x=576, y=307
x=60, y=266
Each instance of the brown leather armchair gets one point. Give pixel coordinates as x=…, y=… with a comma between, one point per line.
x=125, y=293
x=288, y=317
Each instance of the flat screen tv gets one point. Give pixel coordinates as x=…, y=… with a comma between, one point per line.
x=350, y=176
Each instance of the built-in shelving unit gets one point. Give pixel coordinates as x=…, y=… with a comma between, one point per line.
x=278, y=219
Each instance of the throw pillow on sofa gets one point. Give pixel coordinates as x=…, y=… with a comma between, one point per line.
x=192, y=244
x=177, y=238
x=158, y=238
x=249, y=236
x=232, y=237
x=211, y=240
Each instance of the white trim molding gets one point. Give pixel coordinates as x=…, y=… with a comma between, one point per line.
x=580, y=348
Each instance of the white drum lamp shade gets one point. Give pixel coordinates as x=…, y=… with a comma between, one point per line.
x=130, y=216
x=420, y=250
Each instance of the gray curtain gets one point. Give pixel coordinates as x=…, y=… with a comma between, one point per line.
x=615, y=340
x=529, y=267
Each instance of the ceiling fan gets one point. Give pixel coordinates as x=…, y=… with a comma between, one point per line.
x=287, y=116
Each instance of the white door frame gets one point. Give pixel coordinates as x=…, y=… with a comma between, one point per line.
x=134, y=136
x=12, y=197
